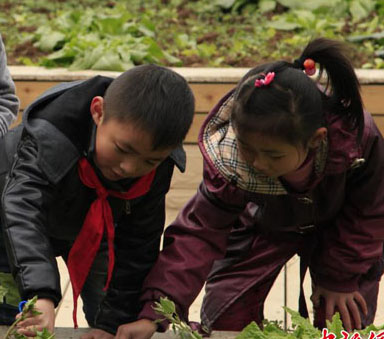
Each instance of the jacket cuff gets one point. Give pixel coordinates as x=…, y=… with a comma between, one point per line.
x=149, y=313
x=44, y=295
x=346, y=286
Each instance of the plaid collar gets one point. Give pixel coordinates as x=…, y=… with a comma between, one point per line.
x=220, y=143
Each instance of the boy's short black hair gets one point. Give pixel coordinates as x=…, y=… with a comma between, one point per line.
x=157, y=99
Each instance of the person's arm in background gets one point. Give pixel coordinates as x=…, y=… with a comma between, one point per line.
x=9, y=103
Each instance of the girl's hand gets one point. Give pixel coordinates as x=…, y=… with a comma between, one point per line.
x=46, y=319
x=140, y=329
x=347, y=304
x=97, y=334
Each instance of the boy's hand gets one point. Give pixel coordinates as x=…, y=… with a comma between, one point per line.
x=140, y=329
x=347, y=304
x=46, y=319
x=97, y=334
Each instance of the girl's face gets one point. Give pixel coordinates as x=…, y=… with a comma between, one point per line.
x=272, y=156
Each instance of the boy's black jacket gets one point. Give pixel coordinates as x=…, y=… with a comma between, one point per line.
x=44, y=203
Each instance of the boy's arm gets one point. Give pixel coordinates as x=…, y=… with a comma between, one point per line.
x=25, y=201
x=9, y=103
x=353, y=245
x=137, y=242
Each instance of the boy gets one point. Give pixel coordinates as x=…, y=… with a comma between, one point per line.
x=93, y=158
x=9, y=104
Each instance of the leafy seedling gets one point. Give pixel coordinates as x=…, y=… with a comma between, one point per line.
x=28, y=309
x=167, y=309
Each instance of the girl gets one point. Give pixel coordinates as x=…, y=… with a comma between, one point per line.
x=289, y=168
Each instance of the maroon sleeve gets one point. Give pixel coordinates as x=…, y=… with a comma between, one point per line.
x=192, y=242
x=354, y=246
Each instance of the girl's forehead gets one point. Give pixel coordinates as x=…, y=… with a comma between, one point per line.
x=265, y=142
x=260, y=137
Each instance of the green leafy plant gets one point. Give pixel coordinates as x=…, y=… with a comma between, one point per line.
x=302, y=328
x=8, y=290
x=167, y=309
x=115, y=35
x=28, y=309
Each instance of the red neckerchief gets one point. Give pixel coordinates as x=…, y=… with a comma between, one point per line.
x=99, y=219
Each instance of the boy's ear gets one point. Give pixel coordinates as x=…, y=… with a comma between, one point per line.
x=97, y=110
x=317, y=137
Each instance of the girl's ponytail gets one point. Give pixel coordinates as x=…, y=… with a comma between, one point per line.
x=343, y=88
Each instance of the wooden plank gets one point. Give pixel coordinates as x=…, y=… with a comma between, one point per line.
x=192, y=176
x=192, y=74
x=193, y=132
x=28, y=91
x=70, y=333
x=177, y=198
x=379, y=120
x=373, y=98
x=206, y=95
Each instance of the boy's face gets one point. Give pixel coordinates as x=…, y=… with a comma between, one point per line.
x=123, y=149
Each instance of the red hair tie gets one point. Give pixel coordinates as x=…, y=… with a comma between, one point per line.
x=266, y=81
x=309, y=67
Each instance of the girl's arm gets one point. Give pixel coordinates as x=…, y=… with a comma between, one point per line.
x=192, y=243
x=353, y=246
x=9, y=103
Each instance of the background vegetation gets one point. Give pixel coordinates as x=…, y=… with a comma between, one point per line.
x=114, y=35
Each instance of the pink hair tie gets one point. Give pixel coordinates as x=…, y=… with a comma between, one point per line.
x=266, y=81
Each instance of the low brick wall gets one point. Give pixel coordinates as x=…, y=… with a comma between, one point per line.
x=208, y=85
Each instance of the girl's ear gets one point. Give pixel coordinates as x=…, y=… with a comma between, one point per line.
x=317, y=137
x=97, y=110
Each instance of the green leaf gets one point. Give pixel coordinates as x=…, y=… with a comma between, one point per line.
x=360, y=38
x=336, y=325
x=225, y=3
x=3, y=292
x=172, y=59
x=49, y=41
x=12, y=296
x=308, y=4
x=252, y=331
x=110, y=61
x=44, y=334
x=267, y=5
x=360, y=9
x=283, y=25
x=303, y=327
x=167, y=305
